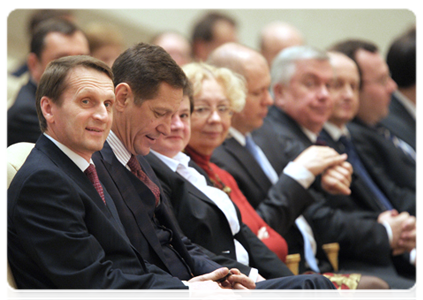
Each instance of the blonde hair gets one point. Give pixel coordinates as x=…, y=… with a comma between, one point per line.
x=233, y=83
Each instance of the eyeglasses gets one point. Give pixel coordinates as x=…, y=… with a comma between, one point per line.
x=204, y=111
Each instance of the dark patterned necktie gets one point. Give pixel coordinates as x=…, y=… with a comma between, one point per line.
x=135, y=167
x=91, y=173
x=362, y=172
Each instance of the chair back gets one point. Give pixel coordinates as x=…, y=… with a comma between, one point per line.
x=16, y=156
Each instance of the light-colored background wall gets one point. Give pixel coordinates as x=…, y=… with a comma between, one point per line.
x=321, y=27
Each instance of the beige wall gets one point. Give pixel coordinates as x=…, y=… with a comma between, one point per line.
x=321, y=27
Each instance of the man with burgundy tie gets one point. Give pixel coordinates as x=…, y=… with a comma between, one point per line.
x=64, y=230
x=149, y=88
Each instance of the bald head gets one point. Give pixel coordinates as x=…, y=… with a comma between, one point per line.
x=252, y=65
x=277, y=36
x=235, y=57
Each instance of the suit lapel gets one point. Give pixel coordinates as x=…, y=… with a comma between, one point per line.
x=248, y=162
x=130, y=188
x=72, y=170
x=358, y=186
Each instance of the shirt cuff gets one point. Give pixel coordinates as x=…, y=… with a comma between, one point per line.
x=189, y=288
x=253, y=274
x=299, y=173
x=388, y=231
x=413, y=254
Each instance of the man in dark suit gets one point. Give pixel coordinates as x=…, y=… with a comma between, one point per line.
x=401, y=60
x=303, y=103
x=52, y=39
x=389, y=160
x=336, y=135
x=280, y=200
x=145, y=104
x=69, y=234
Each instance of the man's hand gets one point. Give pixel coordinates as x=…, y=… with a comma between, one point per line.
x=337, y=179
x=401, y=225
x=240, y=281
x=206, y=287
x=263, y=233
x=317, y=159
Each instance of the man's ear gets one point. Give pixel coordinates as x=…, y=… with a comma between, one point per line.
x=47, y=109
x=124, y=96
x=34, y=67
x=279, y=94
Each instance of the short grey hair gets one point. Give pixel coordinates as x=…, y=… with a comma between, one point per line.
x=285, y=63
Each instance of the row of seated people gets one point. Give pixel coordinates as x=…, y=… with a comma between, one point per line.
x=203, y=115
x=275, y=217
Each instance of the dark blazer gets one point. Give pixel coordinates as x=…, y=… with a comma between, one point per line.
x=65, y=237
x=392, y=170
x=136, y=206
x=356, y=231
x=205, y=224
x=402, y=199
x=22, y=119
x=400, y=122
x=279, y=204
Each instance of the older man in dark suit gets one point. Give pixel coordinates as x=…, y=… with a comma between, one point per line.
x=303, y=103
x=63, y=228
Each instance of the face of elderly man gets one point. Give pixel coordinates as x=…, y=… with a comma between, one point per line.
x=307, y=98
x=345, y=89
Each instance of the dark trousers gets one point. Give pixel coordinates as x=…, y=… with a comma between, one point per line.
x=304, y=282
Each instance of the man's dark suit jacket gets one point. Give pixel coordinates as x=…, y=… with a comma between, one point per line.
x=392, y=170
x=205, y=224
x=400, y=122
x=22, y=119
x=61, y=235
x=136, y=207
x=279, y=204
x=363, y=241
x=401, y=199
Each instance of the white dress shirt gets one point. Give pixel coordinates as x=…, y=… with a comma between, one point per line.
x=179, y=164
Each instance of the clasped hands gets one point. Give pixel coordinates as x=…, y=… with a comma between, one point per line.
x=335, y=170
x=208, y=287
x=403, y=228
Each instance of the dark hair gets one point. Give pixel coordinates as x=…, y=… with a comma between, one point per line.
x=144, y=67
x=53, y=82
x=42, y=15
x=350, y=48
x=203, y=29
x=189, y=91
x=63, y=26
x=401, y=59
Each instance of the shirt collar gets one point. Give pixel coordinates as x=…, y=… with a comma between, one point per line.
x=76, y=158
x=335, y=132
x=408, y=105
x=173, y=163
x=311, y=135
x=118, y=148
x=238, y=136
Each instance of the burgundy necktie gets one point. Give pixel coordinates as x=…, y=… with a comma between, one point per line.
x=135, y=167
x=93, y=177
